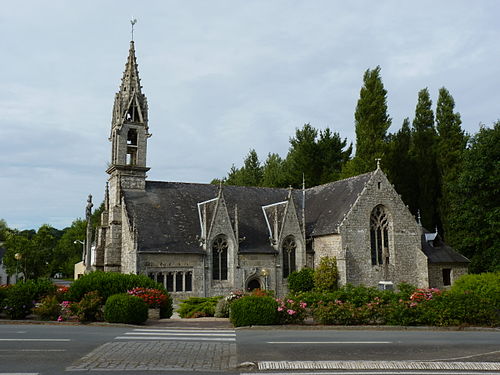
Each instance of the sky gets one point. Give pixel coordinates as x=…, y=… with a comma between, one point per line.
x=221, y=77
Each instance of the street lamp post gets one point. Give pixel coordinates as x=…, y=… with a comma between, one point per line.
x=17, y=257
x=265, y=273
x=83, y=245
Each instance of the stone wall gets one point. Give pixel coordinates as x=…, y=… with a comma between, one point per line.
x=407, y=262
x=331, y=246
x=436, y=274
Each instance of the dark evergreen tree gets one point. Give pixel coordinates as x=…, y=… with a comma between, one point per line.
x=451, y=144
x=334, y=154
x=303, y=159
x=423, y=152
x=372, y=123
x=273, y=172
x=474, y=219
x=248, y=175
x=400, y=167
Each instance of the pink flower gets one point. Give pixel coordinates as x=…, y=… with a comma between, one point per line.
x=291, y=312
x=413, y=304
x=60, y=318
x=303, y=305
x=290, y=301
x=280, y=308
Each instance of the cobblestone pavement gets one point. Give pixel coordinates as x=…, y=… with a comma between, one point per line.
x=159, y=356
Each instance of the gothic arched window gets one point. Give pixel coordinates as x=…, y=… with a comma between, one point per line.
x=379, y=236
x=219, y=258
x=288, y=249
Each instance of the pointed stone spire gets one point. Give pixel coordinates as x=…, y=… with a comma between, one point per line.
x=130, y=81
x=130, y=103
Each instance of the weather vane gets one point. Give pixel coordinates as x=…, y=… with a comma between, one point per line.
x=133, y=21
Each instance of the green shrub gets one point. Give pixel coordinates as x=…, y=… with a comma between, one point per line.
x=18, y=303
x=196, y=307
x=125, y=308
x=3, y=292
x=49, y=308
x=326, y=275
x=167, y=308
x=109, y=283
x=253, y=310
x=301, y=281
x=222, y=308
x=484, y=285
x=89, y=309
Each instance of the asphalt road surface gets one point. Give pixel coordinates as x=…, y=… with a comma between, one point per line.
x=53, y=349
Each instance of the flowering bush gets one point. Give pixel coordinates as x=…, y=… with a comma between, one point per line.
x=154, y=298
x=89, y=309
x=421, y=295
x=66, y=311
x=291, y=311
x=48, y=309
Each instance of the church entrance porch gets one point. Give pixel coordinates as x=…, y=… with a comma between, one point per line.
x=253, y=284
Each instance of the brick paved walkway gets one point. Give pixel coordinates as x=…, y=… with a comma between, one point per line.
x=159, y=356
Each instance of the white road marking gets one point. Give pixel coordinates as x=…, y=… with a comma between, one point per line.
x=55, y=340
x=185, y=330
x=179, y=338
x=183, y=334
x=32, y=350
x=329, y=342
x=376, y=373
x=378, y=365
x=179, y=334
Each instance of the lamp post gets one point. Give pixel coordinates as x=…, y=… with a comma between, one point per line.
x=83, y=245
x=17, y=257
x=265, y=273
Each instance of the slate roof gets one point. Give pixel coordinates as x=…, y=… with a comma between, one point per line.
x=166, y=213
x=439, y=252
x=327, y=204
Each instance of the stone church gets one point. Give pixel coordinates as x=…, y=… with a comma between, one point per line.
x=207, y=240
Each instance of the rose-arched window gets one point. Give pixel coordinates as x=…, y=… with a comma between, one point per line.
x=288, y=249
x=379, y=236
x=219, y=258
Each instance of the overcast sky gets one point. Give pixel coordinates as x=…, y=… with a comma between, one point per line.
x=221, y=77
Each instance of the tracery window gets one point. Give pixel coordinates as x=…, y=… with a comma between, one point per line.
x=219, y=258
x=379, y=235
x=288, y=249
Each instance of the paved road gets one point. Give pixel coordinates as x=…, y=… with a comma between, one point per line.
x=167, y=349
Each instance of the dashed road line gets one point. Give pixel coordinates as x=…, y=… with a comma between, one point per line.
x=329, y=342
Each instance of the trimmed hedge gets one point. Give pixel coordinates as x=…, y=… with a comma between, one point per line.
x=253, y=310
x=196, y=307
x=109, y=283
x=125, y=308
x=20, y=298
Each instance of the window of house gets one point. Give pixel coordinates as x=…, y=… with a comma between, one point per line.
x=446, y=276
x=188, y=282
x=219, y=258
x=379, y=236
x=288, y=249
x=179, y=277
x=170, y=282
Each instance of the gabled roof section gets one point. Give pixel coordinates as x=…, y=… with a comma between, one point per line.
x=326, y=205
x=439, y=252
x=165, y=215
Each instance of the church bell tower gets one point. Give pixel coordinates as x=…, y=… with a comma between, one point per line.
x=129, y=134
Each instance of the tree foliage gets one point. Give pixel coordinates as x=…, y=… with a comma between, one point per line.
x=475, y=202
x=423, y=152
x=451, y=144
x=371, y=122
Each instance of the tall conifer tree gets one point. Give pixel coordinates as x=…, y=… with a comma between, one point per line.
x=423, y=151
x=400, y=167
x=450, y=147
x=372, y=122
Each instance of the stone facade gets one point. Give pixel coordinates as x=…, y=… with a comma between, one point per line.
x=204, y=240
